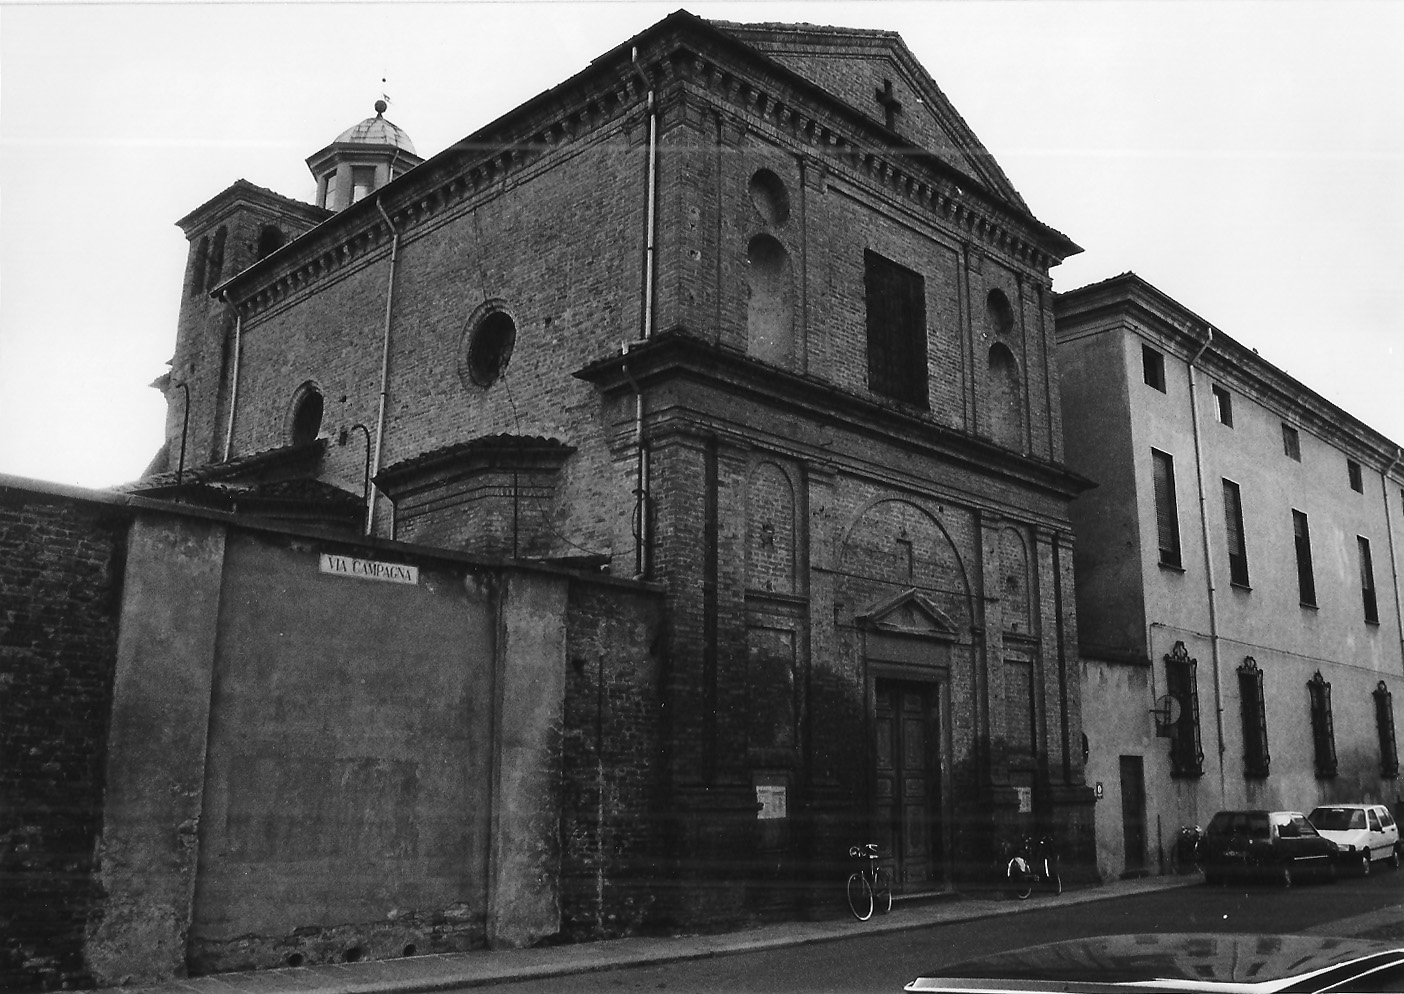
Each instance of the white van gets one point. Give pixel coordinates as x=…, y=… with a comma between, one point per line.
x=1365, y=832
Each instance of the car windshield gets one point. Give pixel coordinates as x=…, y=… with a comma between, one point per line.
x=1337, y=819
x=1253, y=824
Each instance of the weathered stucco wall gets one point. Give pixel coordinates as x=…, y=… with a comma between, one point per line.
x=524, y=887
x=156, y=749
x=346, y=807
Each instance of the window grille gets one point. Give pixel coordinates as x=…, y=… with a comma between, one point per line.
x=1367, y=581
x=1254, y=711
x=1384, y=723
x=1186, y=752
x=1306, y=581
x=896, y=307
x=1237, y=547
x=1167, y=518
x=1323, y=730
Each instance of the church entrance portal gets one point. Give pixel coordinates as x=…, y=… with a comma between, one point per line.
x=907, y=784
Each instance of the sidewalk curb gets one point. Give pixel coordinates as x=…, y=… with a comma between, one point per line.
x=447, y=971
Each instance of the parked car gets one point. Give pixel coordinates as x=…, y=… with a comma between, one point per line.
x=1364, y=832
x=1277, y=845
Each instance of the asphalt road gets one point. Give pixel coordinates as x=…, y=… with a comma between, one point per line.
x=1372, y=906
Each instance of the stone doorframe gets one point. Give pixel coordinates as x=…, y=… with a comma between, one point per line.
x=907, y=638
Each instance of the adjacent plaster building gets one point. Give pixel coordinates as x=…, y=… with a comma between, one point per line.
x=744, y=310
x=1237, y=573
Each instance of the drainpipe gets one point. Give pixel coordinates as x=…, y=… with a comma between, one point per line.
x=650, y=249
x=384, y=359
x=642, y=538
x=234, y=378
x=641, y=529
x=1389, y=534
x=1208, y=566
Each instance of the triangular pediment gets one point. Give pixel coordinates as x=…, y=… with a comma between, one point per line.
x=908, y=613
x=876, y=74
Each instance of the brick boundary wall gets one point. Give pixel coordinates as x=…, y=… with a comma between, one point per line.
x=611, y=834
x=60, y=595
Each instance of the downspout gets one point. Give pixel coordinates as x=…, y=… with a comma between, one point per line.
x=1208, y=567
x=1393, y=560
x=234, y=377
x=641, y=535
x=642, y=538
x=384, y=361
x=650, y=248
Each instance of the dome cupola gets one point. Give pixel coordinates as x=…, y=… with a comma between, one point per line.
x=363, y=158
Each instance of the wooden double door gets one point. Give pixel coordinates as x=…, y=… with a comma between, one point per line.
x=907, y=782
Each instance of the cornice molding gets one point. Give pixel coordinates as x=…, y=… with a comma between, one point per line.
x=242, y=193
x=1128, y=300
x=677, y=354
x=680, y=53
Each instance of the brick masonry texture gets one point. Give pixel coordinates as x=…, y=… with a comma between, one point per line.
x=612, y=852
x=60, y=569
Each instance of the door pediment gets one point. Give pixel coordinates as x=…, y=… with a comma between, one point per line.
x=908, y=613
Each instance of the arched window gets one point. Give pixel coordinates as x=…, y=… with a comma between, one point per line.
x=769, y=315
x=216, y=263
x=307, y=415
x=202, y=259
x=771, y=199
x=1000, y=314
x=1005, y=398
x=270, y=240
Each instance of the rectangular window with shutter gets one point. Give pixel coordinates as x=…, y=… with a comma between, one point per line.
x=896, y=309
x=1323, y=728
x=1153, y=368
x=1167, y=515
x=1367, y=581
x=1384, y=724
x=1253, y=706
x=1233, y=523
x=1306, y=580
x=1291, y=442
x=1223, y=406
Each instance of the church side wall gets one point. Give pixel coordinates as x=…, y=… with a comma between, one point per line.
x=559, y=247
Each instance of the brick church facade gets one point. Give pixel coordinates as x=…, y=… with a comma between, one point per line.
x=743, y=311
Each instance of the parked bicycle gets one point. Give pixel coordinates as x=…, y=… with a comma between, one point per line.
x=869, y=886
x=1186, y=854
x=1033, y=864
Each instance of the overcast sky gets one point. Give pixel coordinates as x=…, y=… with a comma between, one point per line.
x=1245, y=158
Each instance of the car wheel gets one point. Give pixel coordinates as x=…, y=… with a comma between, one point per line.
x=1365, y=863
x=1394, y=857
